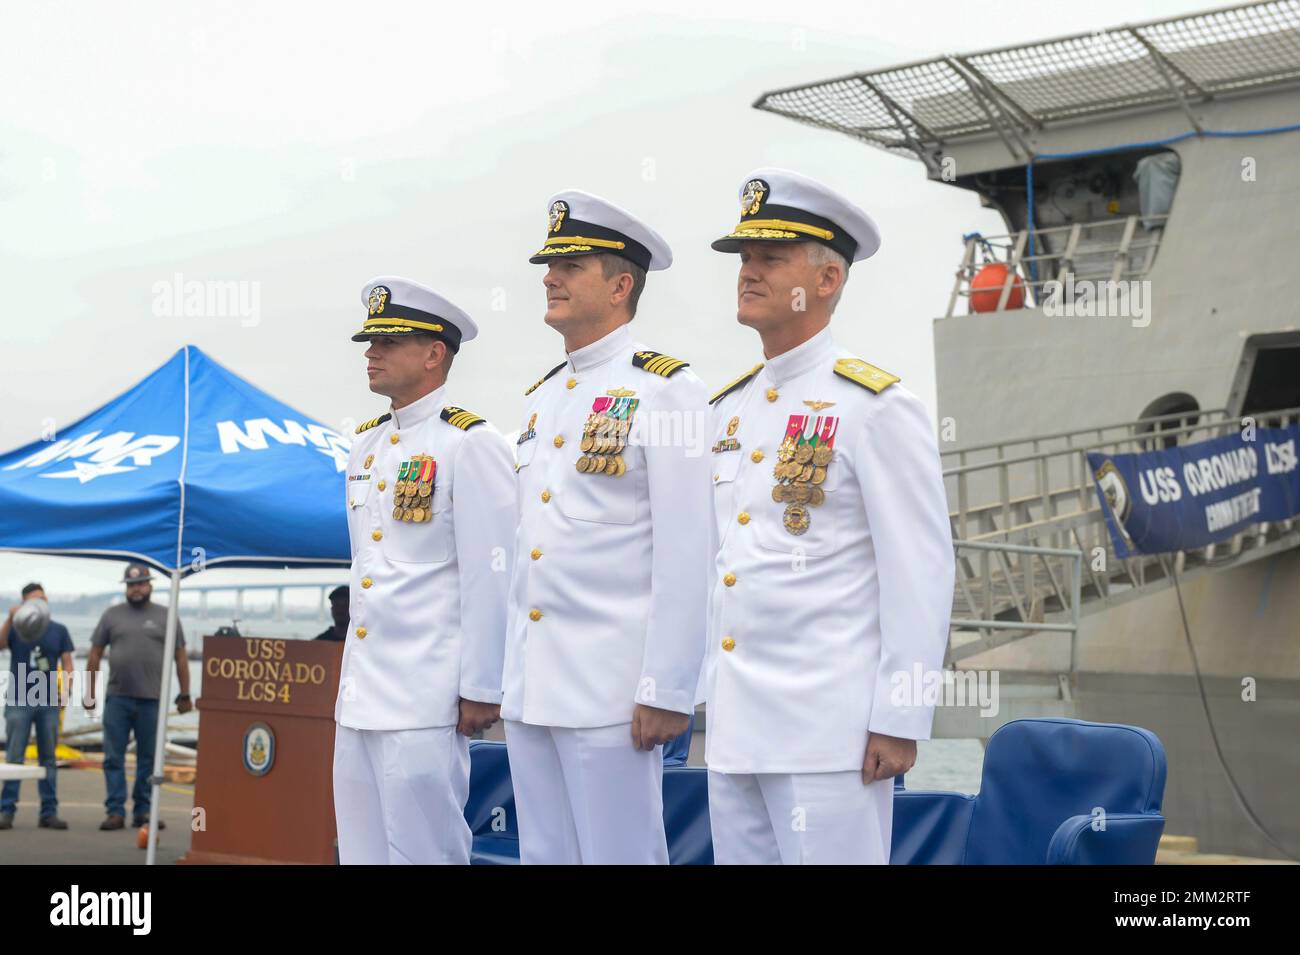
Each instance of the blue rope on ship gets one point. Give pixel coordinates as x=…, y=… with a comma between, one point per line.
x=984, y=244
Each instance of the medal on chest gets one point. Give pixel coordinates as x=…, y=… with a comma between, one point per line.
x=806, y=451
x=604, y=436
x=529, y=432
x=729, y=443
x=413, y=492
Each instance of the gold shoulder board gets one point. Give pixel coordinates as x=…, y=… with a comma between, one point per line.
x=868, y=376
x=460, y=418
x=736, y=384
x=540, y=381
x=658, y=364
x=372, y=423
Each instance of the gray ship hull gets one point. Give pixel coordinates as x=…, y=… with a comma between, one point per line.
x=1135, y=667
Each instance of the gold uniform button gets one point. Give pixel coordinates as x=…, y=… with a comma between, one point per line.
x=546, y=496
x=365, y=583
x=361, y=633
x=756, y=456
x=382, y=485
x=743, y=517
x=394, y=438
x=571, y=383
x=534, y=615
x=536, y=554
x=729, y=580
x=559, y=441
x=728, y=644
x=772, y=394
x=376, y=535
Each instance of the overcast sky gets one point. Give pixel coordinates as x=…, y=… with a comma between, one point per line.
x=302, y=148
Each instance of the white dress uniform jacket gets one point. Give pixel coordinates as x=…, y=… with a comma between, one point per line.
x=607, y=603
x=813, y=638
x=427, y=598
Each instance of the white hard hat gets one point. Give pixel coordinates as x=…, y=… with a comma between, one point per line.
x=32, y=619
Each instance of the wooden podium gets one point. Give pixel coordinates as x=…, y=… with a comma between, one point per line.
x=264, y=790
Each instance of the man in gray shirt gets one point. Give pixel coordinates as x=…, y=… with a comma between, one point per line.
x=135, y=631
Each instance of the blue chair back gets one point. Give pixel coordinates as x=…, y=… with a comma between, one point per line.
x=490, y=809
x=686, y=815
x=677, y=750
x=1039, y=773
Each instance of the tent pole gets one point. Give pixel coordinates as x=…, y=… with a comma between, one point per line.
x=164, y=706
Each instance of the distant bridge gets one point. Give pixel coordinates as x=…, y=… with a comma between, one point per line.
x=189, y=590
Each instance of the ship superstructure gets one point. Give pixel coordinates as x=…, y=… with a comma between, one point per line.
x=1144, y=293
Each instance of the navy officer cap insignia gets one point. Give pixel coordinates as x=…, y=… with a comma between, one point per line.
x=397, y=306
x=555, y=217
x=578, y=223
x=778, y=205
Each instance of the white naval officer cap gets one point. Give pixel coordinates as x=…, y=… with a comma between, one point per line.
x=779, y=205
x=397, y=306
x=579, y=223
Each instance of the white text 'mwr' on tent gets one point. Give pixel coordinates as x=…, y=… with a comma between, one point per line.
x=192, y=468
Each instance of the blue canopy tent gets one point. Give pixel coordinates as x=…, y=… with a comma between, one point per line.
x=192, y=468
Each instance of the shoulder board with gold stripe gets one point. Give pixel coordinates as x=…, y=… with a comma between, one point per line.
x=868, y=376
x=372, y=423
x=540, y=381
x=739, y=382
x=658, y=364
x=460, y=418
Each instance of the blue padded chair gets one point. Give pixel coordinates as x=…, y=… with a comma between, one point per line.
x=1043, y=782
x=677, y=750
x=490, y=809
x=686, y=815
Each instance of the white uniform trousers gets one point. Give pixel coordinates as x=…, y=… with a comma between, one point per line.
x=399, y=796
x=586, y=796
x=800, y=818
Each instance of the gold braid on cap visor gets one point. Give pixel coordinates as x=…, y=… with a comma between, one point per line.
x=781, y=225
x=397, y=324
x=583, y=240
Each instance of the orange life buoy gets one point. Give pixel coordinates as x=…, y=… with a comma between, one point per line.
x=986, y=288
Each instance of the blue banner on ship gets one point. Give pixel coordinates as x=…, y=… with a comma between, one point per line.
x=1188, y=496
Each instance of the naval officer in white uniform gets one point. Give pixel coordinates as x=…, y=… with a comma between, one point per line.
x=834, y=562
x=607, y=603
x=431, y=510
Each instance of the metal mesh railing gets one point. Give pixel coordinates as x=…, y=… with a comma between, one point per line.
x=915, y=108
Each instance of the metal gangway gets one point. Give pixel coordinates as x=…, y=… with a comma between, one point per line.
x=1034, y=555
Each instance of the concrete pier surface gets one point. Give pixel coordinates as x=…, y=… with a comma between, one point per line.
x=81, y=805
